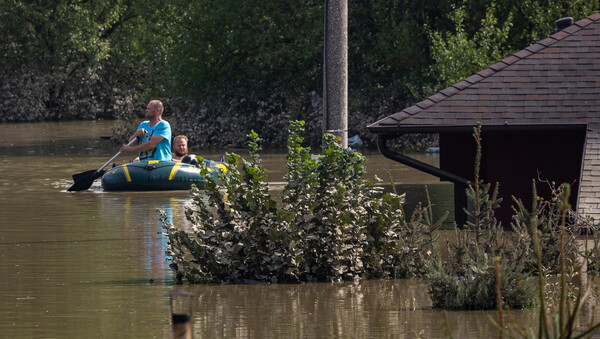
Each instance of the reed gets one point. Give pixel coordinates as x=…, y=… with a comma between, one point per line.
x=553, y=322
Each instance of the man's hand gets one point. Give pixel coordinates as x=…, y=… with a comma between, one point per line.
x=127, y=149
x=140, y=132
x=148, y=145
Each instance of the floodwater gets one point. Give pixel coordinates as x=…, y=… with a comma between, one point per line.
x=92, y=264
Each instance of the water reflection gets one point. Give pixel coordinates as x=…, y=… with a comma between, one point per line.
x=75, y=265
x=369, y=309
x=92, y=264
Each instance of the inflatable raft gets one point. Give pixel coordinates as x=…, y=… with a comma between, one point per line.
x=157, y=175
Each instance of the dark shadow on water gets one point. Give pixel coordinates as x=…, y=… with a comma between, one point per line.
x=441, y=196
x=69, y=241
x=159, y=281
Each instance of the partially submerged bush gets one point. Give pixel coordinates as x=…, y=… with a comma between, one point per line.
x=416, y=241
x=558, y=321
x=332, y=225
x=549, y=218
x=468, y=279
x=475, y=287
x=592, y=257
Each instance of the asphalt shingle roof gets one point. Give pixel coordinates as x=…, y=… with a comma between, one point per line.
x=553, y=82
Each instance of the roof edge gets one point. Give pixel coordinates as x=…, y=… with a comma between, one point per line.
x=495, y=68
x=405, y=129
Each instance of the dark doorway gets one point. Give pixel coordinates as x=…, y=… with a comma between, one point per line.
x=514, y=159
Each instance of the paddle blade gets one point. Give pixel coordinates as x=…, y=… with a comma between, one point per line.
x=83, y=182
x=79, y=176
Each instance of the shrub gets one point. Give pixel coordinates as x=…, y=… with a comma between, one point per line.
x=593, y=253
x=468, y=279
x=475, y=287
x=332, y=225
x=549, y=217
x=558, y=321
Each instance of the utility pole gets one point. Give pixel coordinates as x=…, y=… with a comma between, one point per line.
x=335, y=70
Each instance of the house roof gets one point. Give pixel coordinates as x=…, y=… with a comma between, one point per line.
x=555, y=81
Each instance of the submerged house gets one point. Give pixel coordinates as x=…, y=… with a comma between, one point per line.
x=540, y=115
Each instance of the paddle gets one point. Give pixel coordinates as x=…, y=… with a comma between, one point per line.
x=84, y=180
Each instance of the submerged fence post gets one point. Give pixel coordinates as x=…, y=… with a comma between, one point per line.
x=181, y=314
x=335, y=70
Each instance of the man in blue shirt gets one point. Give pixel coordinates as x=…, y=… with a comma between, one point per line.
x=154, y=135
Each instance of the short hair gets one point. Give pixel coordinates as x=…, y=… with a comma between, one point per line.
x=181, y=136
x=159, y=105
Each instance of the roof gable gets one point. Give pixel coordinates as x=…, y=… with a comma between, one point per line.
x=554, y=81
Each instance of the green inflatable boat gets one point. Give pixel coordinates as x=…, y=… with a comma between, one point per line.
x=157, y=175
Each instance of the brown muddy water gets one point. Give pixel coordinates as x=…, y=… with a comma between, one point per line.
x=92, y=264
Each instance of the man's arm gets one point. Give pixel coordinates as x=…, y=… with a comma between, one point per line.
x=138, y=134
x=150, y=144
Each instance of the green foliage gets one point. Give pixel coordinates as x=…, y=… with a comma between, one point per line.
x=547, y=215
x=592, y=257
x=543, y=242
x=332, y=225
x=481, y=218
x=475, y=287
x=101, y=59
x=459, y=54
x=231, y=47
x=416, y=241
x=563, y=322
x=321, y=188
x=329, y=198
x=66, y=60
x=533, y=20
x=468, y=280
x=388, y=45
x=46, y=34
x=232, y=238
x=484, y=32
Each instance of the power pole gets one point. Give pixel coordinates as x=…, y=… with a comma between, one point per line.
x=335, y=70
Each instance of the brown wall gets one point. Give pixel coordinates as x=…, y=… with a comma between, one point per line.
x=513, y=159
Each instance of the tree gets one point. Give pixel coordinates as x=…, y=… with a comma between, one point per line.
x=232, y=47
x=487, y=31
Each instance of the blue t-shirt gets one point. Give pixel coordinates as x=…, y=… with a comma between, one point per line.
x=162, y=151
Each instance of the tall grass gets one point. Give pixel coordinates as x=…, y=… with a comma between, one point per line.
x=561, y=322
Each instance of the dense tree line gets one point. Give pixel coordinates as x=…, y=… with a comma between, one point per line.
x=225, y=67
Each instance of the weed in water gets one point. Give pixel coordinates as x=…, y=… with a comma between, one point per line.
x=468, y=280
